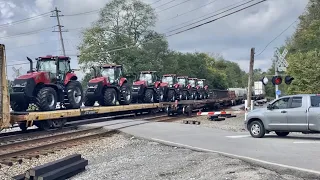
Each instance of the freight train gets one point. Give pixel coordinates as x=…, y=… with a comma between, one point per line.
x=53, y=83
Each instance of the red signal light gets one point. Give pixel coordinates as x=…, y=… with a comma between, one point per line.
x=276, y=80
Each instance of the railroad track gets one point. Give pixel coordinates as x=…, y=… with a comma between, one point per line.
x=23, y=148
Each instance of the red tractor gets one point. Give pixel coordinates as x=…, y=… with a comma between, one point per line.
x=147, y=88
x=52, y=81
x=203, y=89
x=108, y=87
x=192, y=84
x=186, y=87
x=172, y=89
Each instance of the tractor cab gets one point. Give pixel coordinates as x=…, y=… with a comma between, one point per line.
x=193, y=82
x=201, y=82
x=171, y=79
x=182, y=80
x=56, y=66
x=111, y=72
x=150, y=77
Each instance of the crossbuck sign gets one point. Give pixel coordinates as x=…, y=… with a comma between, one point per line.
x=281, y=62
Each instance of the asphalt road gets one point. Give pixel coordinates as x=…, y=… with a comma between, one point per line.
x=298, y=152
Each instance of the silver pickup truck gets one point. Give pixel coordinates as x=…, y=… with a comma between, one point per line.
x=296, y=113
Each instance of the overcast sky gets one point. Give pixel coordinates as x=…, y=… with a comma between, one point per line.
x=231, y=37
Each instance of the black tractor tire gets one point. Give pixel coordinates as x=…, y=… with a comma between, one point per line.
x=257, y=129
x=19, y=106
x=172, y=96
x=193, y=95
x=161, y=95
x=126, y=93
x=46, y=99
x=88, y=101
x=73, y=90
x=282, y=134
x=110, y=97
x=149, y=96
x=185, y=95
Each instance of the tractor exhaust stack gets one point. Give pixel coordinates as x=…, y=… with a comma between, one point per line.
x=31, y=64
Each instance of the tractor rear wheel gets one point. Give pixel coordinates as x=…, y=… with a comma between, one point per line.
x=149, y=96
x=161, y=96
x=74, y=94
x=19, y=106
x=88, y=101
x=172, y=96
x=46, y=99
x=185, y=95
x=110, y=97
x=126, y=95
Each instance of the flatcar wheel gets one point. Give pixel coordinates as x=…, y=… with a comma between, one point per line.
x=58, y=123
x=44, y=125
x=23, y=126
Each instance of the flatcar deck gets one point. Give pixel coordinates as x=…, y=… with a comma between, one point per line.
x=58, y=114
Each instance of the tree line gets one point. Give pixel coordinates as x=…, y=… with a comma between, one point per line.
x=124, y=35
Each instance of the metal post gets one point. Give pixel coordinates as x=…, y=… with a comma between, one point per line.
x=250, y=78
x=60, y=29
x=276, y=73
x=4, y=94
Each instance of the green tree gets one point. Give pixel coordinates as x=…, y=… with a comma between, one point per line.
x=122, y=24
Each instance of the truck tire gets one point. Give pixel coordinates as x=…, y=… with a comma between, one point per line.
x=172, y=96
x=19, y=106
x=257, y=129
x=126, y=94
x=88, y=101
x=282, y=134
x=46, y=99
x=74, y=94
x=149, y=96
x=110, y=97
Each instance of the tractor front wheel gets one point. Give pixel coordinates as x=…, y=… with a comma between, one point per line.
x=110, y=97
x=46, y=99
x=149, y=96
x=172, y=96
x=88, y=101
x=19, y=106
x=75, y=95
x=126, y=95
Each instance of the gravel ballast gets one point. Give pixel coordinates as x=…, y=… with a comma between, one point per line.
x=125, y=157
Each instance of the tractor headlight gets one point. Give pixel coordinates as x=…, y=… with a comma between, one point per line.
x=93, y=86
x=136, y=87
x=24, y=84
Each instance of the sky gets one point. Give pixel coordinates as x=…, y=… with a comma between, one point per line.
x=232, y=36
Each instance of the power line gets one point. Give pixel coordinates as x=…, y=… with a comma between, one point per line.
x=277, y=36
x=204, y=15
x=217, y=18
x=88, y=12
x=164, y=4
x=172, y=6
x=155, y=2
x=211, y=16
x=189, y=11
x=24, y=20
x=188, y=28
x=25, y=33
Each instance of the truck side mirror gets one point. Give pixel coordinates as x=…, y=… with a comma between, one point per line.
x=270, y=107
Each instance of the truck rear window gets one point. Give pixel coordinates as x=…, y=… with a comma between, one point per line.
x=315, y=101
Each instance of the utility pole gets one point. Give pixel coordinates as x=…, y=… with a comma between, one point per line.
x=250, y=78
x=57, y=15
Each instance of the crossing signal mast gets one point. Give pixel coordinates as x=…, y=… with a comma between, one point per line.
x=280, y=66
